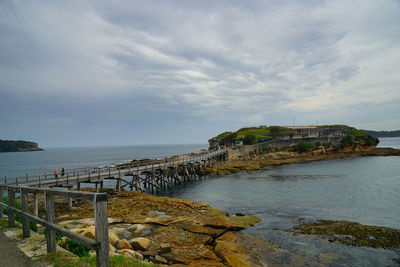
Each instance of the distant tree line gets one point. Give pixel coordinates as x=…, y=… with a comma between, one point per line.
x=383, y=133
x=20, y=145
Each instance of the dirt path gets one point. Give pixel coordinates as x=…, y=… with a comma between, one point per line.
x=10, y=255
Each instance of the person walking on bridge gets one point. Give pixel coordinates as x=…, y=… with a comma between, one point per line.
x=55, y=173
x=62, y=171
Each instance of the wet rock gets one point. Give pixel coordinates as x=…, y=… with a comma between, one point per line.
x=131, y=253
x=159, y=259
x=353, y=233
x=140, y=243
x=123, y=244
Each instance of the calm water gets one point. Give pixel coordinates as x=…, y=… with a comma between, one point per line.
x=365, y=190
x=19, y=163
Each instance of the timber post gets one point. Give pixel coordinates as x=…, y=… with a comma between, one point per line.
x=25, y=219
x=50, y=233
x=11, y=212
x=101, y=226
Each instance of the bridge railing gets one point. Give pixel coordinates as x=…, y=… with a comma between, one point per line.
x=100, y=244
x=93, y=171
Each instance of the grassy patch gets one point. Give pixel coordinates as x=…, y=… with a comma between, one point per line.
x=353, y=233
x=3, y=223
x=355, y=132
x=64, y=259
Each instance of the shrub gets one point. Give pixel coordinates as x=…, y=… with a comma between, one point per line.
x=303, y=146
x=74, y=247
x=18, y=217
x=249, y=139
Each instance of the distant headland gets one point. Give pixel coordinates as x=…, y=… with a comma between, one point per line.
x=383, y=133
x=18, y=146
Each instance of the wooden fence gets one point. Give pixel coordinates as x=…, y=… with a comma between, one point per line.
x=100, y=217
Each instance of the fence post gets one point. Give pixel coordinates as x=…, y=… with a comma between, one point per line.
x=25, y=219
x=1, y=199
x=36, y=204
x=101, y=226
x=50, y=234
x=11, y=213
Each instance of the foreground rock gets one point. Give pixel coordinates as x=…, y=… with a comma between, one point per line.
x=167, y=230
x=353, y=233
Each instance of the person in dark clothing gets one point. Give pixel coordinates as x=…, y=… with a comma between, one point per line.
x=62, y=172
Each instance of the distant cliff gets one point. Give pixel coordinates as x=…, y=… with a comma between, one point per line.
x=18, y=146
x=383, y=133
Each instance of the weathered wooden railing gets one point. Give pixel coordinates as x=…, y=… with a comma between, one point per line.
x=100, y=217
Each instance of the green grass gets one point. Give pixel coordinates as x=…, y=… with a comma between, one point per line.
x=65, y=259
x=221, y=136
x=355, y=132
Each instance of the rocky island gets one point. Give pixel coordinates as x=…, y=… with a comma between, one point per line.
x=18, y=146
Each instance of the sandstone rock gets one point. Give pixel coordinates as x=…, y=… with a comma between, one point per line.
x=137, y=228
x=150, y=253
x=112, y=238
x=159, y=259
x=164, y=248
x=111, y=249
x=131, y=253
x=140, y=243
x=123, y=244
x=235, y=254
x=88, y=232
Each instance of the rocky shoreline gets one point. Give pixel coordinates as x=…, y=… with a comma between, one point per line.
x=258, y=161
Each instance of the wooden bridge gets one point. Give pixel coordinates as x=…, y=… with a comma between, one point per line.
x=151, y=176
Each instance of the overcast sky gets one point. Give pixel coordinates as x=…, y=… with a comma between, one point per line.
x=85, y=73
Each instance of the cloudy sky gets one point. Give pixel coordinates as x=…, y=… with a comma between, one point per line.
x=123, y=72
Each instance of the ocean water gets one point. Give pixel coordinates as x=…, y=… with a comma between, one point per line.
x=35, y=162
x=365, y=190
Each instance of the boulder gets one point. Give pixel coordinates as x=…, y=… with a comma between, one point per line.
x=112, y=238
x=88, y=232
x=160, y=260
x=131, y=253
x=123, y=244
x=164, y=248
x=140, y=243
x=111, y=249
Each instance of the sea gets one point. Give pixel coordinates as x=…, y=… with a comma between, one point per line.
x=364, y=190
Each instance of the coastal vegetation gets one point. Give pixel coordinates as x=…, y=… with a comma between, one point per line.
x=17, y=146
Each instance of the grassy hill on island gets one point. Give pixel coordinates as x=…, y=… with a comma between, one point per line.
x=17, y=146
x=254, y=135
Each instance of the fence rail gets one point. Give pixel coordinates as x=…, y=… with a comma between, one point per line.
x=100, y=244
